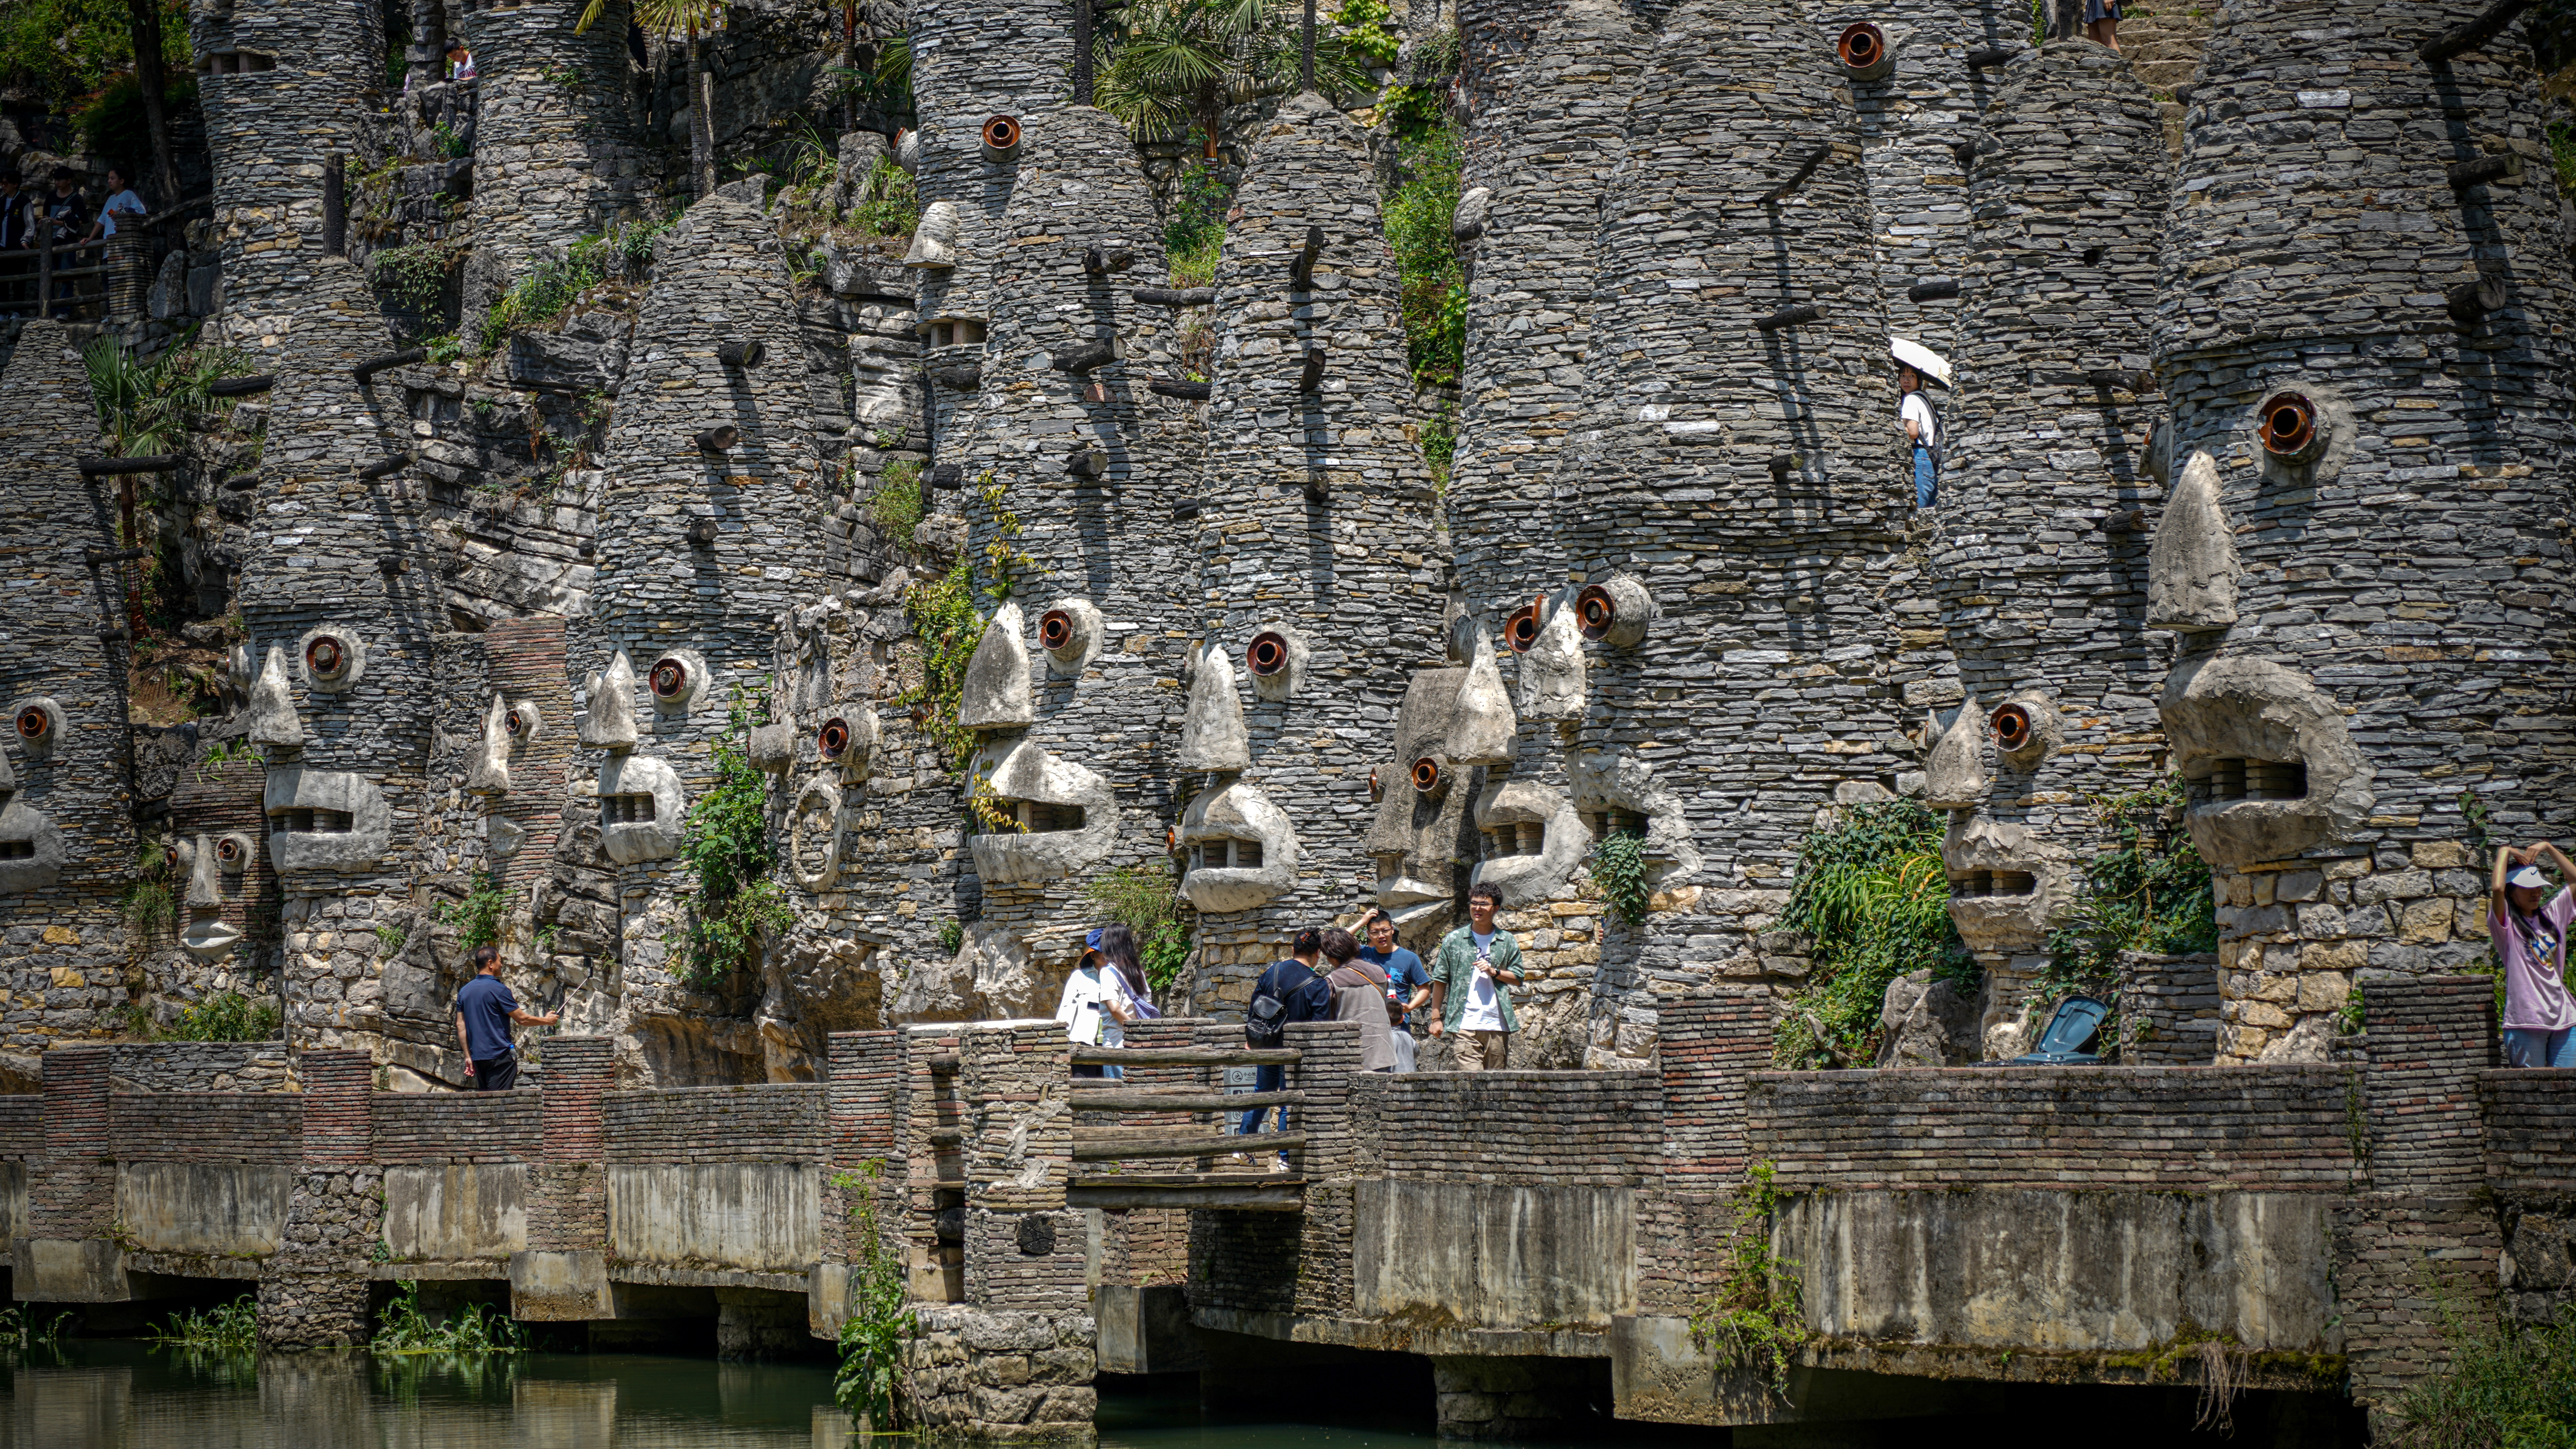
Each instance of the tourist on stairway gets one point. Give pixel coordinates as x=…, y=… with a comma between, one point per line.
x=1290, y=991
x=2529, y=928
x=1468, y=973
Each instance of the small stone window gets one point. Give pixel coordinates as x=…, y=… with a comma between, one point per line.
x=1519, y=837
x=2229, y=780
x=235, y=62
x=17, y=850
x=626, y=809
x=1993, y=883
x=1040, y=818
x=1238, y=854
x=956, y=332
x=309, y=822
x=1606, y=823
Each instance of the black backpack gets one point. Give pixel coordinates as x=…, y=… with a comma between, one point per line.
x=1265, y=1021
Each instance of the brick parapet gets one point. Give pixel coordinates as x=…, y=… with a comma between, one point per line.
x=1707, y=1049
x=2429, y=1041
x=1515, y=1128
x=787, y=1122
x=257, y=1127
x=338, y=1127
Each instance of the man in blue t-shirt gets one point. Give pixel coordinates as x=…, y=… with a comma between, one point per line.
x=484, y=1010
x=1408, y=985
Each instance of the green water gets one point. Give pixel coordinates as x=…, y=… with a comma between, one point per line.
x=121, y=1394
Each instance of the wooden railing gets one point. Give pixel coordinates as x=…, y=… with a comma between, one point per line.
x=1256, y=1190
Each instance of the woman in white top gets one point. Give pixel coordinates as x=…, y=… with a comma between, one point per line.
x=121, y=201
x=1922, y=434
x=1095, y=1007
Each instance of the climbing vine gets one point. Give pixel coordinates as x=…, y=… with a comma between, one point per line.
x=1004, y=559
x=735, y=898
x=2149, y=892
x=1619, y=868
x=1146, y=900
x=412, y=278
x=1418, y=217
x=942, y=612
x=1756, y=1319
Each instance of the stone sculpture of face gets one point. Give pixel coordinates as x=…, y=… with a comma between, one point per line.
x=1240, y=848
x=216, y=866
x=1423, y=837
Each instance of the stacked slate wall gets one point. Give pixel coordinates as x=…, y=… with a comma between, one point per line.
x=2041, y=559
x=1746, y=499
x=700, y=551
x=2373, y=603
x=66, y=830
x=1316, y=528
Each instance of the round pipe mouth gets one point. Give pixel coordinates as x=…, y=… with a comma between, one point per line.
x=34, y=723
x=1267, y=655
x=1861, y=45
x=1520, y=631
x=832, y=738
x=514, y=724
x=1001, y=133
x=1055, y=629
x=2289, y=424
x=326, y=656
x=720, y=439
x=1377, y=787
x=669, y=678
x=1595, y=612
x=2012, y=726
x=1426, y=775
x=228, y=851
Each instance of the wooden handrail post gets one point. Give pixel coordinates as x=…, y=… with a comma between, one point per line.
x=44, y=266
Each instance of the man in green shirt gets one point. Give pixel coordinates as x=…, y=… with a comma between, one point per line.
x=1468, y=973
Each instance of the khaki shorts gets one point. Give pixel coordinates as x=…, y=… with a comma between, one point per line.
x=1481, y=1051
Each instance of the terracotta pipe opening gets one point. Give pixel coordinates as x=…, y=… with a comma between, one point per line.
x=228, y=851
x=2289, y=424
x=1377, y=787
x=1861, y=45
x=33, y=723
x=2012, y=726
x=1426, y=775
x=1521, y=630
x=1596, y=611
x=1001, y=134
x=1055, y=629
x=668, y=679
x=324, y=655
x=832, y=738
x=514, y=723
x=1267, y=655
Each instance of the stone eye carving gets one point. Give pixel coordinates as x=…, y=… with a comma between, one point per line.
x=1864, y=52
x=1267, y=656
x=1521, y=630
x=1071, y=634
x=832, y=738
x=2026, y=729
x=39, y=726
x=677, y=679
x=333, y=659
x=1428, y=777
x=232, y=853
x=1615, y=612
x=2012, y=727
x=1001, y=138
x=2290, y=427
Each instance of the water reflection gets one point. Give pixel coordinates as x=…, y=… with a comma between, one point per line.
x=115, y=1395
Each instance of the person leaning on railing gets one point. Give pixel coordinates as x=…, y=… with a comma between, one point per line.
x=2530, y=936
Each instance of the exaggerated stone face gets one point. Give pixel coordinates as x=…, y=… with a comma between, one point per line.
x=1422, y=837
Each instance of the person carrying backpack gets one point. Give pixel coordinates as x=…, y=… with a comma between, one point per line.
x=1290, y=991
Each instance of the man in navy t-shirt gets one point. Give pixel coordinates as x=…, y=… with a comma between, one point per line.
x=484, y=1010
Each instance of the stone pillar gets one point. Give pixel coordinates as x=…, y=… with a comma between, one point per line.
x=313, y=1291
x=2365, y=337
x=563, y=1274
x=1308, y=459
x=1328, y=1162
x=62, y=1252
x=930, y=1117
x=66, y=787
x=866, y=1079
x=1016, y=1360
x=2040, y=564
x=2424, y=1231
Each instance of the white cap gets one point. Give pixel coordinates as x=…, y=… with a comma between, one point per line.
x=2529, y=876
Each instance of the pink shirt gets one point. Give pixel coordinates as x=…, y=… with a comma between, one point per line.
x=2535, y=985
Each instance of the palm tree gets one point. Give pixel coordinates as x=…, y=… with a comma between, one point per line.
x=1169, y=62
x=683, y=20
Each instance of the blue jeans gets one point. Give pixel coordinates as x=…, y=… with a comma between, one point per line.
x=1265, y=1079
x=2525, y=1047
x=1927, y=487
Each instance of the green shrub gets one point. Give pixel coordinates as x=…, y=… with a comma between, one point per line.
x=891, y=203
x=113, y=126
x=477, y=918
x=944, y=620
x=1363, y=24
x=734, y=897
x=412, y=278
x=1418, y=217
x=872, y=1384
x=1619, y=867
x=2149, y=892
x=225, y=1328
x=1440, y=443
x=2505, y=1386
x=227, y=1016
x=1872, y=895
x=896, y=507
x=1146, y=900
x=1754, y=1319
x=401, y=1328
x=1194, y=236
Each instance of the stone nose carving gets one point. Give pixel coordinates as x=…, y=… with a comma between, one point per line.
x=609, y=723
x=1213, y=737
x=2191, y=567
x=1551, y=680
x=996, y=693
x=1482, y=728
x=273, y=720
x=1421, y=836
x=490, y=774
x=208, y=936
x=1954, y=777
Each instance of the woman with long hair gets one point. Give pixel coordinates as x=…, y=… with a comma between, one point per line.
x=2528, y=926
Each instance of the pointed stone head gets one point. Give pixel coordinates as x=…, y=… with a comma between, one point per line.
x=996, y=693
x=273, y=720
x=1421, y=838
x=609, y=724
x=1954, y=776
x=1213, y=737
